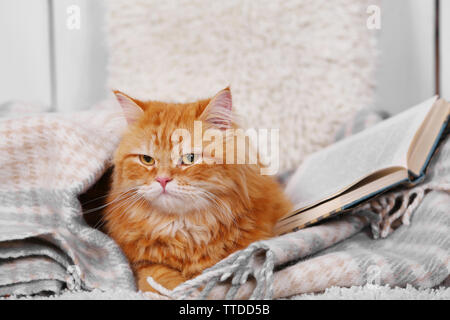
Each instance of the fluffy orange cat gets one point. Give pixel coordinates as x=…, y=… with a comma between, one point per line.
x=171, y=218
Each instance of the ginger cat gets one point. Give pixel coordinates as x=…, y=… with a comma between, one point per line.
x=173, y=219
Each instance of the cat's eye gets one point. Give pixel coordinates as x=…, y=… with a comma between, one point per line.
x=146, y=160
x=189, y=158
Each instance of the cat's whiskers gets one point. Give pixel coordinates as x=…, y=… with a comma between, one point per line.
x=195, y=194
x=221, y=206
x=125, y=202
x=106, y=195
x=149, y=192
x=191, y=193
x=121, y=196
x=201, y=199
x=194, y=198
x=136, y=203
x=128, y=202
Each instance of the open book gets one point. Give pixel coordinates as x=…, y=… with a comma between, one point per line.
x=362, y=166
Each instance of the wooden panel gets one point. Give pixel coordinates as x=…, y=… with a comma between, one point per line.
x=445, y=48
x=24, y=54
x=406, y=73
x=80, y=53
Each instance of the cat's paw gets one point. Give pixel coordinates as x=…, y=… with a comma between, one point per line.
x=165, y=277
x=144, y=286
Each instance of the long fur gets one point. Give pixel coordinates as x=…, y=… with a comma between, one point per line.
x=208, y=212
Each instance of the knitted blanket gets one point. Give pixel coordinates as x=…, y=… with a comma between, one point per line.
x=47, y=161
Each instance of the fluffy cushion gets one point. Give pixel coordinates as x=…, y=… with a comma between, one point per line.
x=301, y=66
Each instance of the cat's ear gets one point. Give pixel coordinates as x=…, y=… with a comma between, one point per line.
x=219, y=111
x=131, y=110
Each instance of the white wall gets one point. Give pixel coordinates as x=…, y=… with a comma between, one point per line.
x=405, y=74
x=24, y=51
x=445, y=48
x=81, y=55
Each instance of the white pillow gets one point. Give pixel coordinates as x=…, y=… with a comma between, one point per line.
x=303, y=66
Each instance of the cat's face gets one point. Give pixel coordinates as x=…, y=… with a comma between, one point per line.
x=171, y=177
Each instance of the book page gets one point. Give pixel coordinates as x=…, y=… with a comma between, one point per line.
x=332, y=170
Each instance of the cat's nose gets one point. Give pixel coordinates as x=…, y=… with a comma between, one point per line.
x=163, y=181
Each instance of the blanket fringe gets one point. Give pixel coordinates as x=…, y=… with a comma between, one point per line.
x=238, y=267
x=73, y=279
x=398, y=205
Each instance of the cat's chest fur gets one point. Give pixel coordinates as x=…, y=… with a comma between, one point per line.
x=185, y=244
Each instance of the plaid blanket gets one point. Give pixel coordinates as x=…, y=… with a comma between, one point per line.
x=48, y=160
